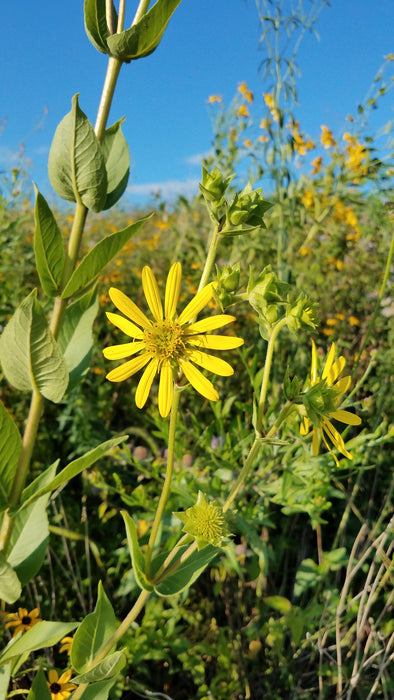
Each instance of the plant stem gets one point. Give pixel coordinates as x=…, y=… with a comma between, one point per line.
x=141, y=10
x=167, y=483
x=210, y=259
x=113, y=640
x=267, y=369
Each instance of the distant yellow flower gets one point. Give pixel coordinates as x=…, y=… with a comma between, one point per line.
x=247, y=94
x=308, y=199
x=328, y=331
x=354, y=321
x=322, y=426
x=243, y=111
x=389, y=57
x=60, y=688
x=331, y=321
x=162, y=225
x=23, y=620
x=305, y=250
x=299, y=142
x=340, y=316
x=248, y=143
x=327, y=138
x=214, y=98
x=170, y=345
x=316, y=165
x=263, y=138
x=269, y=100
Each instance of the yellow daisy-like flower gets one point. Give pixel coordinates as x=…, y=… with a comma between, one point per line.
x=66, y=644
x=60, y=688
x=325, y=429
x=169, y=345
x=23, y=620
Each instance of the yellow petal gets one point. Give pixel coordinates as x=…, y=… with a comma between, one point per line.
x=315, y=441
x=127, y=307
x=53, y=676
x=152, y=294
x=198, y=381
x=211, y=363
x=145, y=383
x=197, y=303
x=329, y=361
x=166, y=389
x=173, y=287
x=118, y=352
x=342, y=385
x=119, y=374
x=346, y=417
x=209, y=324
x=215, y=342
x=335, y=437
x=125, y=325
x=334, y=371
x=304, y=426
x=314, y=364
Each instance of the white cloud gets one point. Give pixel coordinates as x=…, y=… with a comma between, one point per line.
x=168, y=189
x=197, y=158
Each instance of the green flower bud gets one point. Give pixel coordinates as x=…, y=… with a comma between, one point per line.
x=266, y=292
x=319, y=401
x=214, y=185
x=228, y=277
x=205, y=522
x=301, y=313
x=291, y=387
x=247, y=209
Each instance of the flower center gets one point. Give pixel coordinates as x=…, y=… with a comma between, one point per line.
x=165, y=340
x=209, y=522
x=55, y=688
x=26, y=620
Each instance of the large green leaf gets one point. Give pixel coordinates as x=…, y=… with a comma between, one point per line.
x=5, y=673
x=29, y=354
x=10, y=449
x=76, y=336
x=98, y=691
x=75, y=467
x=48, y=247
x=188, y=572
x=29, y=538
x=10, y=586
x=144, y=37
x=76, y=165
x=117, y=161
x=137, y=558
x=39, y=689
x=94, y=630
x=43, y=635
x=97, y=258
x=108, y=668
x=96, y=23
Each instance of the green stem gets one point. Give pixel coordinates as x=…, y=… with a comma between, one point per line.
x=167, y=483
x=210, y=259
x=243, y=474
x=141, y=10
x=114, y=639
x=267, y=369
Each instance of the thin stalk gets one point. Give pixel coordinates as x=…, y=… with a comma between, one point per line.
x=210, y=259
x=114, y=639
x=167, y=483
x=267, y=369
x=141, y=10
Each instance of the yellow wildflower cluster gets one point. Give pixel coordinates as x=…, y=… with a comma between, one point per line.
x=245, y=92
x=300, y=145
x=347, y=215
x=270, y=102
x=214, y=98
x=243, y=111
x=308, y=199
x=356, y=156
x=327, y=138
x=333, y=321
x=316, y=165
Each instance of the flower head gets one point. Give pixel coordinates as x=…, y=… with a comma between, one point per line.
x=169, y=345
x=66, y=644
x=321, y=401
x=60, y=688
x=205, y=522
x=23, y=620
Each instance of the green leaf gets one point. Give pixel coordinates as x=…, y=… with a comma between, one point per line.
x=76, y=337
x=137, y=558
x=5, y=673
x=187, y=572
x=108, y=668
x=117, y=162
x=39, y=689
x=43, y=635
x=76, y=165
x=94, y=630
x=48, y=247
x=10, y=449
x=98, y=691
x=30, y=355
x=10, y=586
x=145, y=36
x=97, y=258
x=75, y=467
x=96, y=23
x=29, y=538
x=278, y=602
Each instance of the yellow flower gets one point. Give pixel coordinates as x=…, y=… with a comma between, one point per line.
x=60, y=688
x=269, y=100
x=327, y=138
x=23, y=620
x=170, y=345
x=316, y=165
x=389, y=57
x=66, y=643
x=214, y=98
x=248, y=143
x=353, y=320
x=322, y=425
x=308, y=199
x=243, y=111
x=244, y=90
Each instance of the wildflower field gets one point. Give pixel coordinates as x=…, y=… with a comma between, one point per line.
x=196, y=417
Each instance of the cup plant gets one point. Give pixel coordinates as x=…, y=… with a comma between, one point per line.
x=170, y=347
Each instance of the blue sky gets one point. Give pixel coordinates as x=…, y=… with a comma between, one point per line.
x=210, y=46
